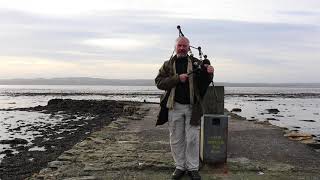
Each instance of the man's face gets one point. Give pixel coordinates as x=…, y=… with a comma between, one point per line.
x=182, y=47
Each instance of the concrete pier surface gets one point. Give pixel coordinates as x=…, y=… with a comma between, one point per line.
x=133, y=148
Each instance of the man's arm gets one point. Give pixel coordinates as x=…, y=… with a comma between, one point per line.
x=164, y=80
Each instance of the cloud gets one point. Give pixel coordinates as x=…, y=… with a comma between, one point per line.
x=97, y=36
x=119, y=44
x=31, y=67
x=139, y=38
x=241, y=10
x=300, y=13
x=231, y=70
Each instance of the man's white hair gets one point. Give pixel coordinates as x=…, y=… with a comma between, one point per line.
x=182, y=38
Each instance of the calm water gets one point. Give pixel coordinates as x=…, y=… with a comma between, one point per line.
x=8, y=89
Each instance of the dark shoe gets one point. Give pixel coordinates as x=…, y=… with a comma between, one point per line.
x=177, y=174
x=194, y=175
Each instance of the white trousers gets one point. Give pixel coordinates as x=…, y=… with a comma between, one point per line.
x=184, y=138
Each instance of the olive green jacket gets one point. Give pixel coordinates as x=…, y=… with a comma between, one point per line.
x=167, y=79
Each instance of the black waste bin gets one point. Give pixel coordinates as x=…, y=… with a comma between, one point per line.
x=214, y=138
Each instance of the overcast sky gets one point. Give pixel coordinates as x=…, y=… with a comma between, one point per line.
x=269, y=41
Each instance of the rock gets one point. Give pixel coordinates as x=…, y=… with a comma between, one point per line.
x=7, y=152
x=260, y=100
x=88, y=107
x=21, y=148
x=14, y=141
x=38, y=108
x=54, y=102
x=308, y=120
x=278, y=115
x=66, y=158
x=96, y=140
x=55, y=164
x=273, y=111
x=298, y=136
x=236, y=110
x=72, y=117
x=272, y=119
x=236, y=116
x=17, y=129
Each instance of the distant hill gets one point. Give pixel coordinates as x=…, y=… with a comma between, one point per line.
x=78, y=81
x=132, y=82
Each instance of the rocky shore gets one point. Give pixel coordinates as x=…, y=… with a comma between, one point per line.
x=133, y=148
x=79, y=119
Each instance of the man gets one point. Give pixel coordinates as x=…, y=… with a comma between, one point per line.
x=181, y=106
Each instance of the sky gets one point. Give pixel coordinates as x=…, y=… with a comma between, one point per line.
x=249, y=41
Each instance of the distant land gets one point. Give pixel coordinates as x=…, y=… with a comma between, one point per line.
x=133, y=82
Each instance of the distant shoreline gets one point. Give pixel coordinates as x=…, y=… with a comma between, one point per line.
x=267, y=95
x=135, y=82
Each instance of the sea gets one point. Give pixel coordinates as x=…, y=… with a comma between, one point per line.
x=299, y=107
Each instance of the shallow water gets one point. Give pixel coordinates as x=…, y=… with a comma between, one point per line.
x=12, y=89
x=27, y=125
x=292, y=111
x=271, y=90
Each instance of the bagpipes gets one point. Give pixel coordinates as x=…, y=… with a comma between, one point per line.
x=196, y=66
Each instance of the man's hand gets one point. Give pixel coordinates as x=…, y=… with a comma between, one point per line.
x=210, y=69
x=183, y=77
